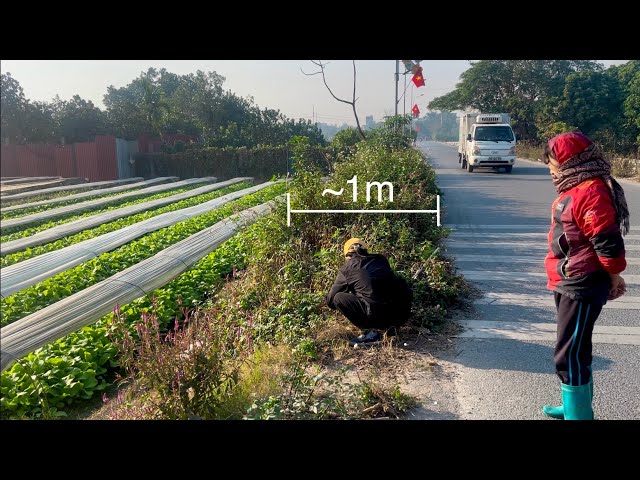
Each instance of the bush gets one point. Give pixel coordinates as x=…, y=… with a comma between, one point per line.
x=279, y=299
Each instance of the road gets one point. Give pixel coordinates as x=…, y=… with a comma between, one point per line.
x=504, y=358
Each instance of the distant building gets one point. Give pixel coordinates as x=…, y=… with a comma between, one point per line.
x=369, y=122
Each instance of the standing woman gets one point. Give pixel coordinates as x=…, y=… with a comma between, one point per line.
x=585, y=260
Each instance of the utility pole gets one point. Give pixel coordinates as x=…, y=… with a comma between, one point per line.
x=397, y=80
x=404, y=102
x=404, y=97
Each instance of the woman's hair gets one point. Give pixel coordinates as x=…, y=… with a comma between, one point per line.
x=547, y=151
x=358, y=250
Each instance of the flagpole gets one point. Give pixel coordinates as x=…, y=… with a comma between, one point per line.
x=411, y=125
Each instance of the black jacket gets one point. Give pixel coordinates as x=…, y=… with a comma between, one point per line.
x=371, y=279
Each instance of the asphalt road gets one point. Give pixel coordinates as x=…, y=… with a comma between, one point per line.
x=504, y=358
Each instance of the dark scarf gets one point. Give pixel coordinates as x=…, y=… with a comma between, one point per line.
x=589, y=164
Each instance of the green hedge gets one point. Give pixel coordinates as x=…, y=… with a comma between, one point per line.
x=223, y=163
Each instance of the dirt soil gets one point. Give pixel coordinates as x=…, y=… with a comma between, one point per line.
x=418, y=361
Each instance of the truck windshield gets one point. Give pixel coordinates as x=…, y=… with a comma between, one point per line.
x=494, y=133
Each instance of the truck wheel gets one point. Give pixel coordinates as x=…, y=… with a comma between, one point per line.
x=469, y=168
x=508, y=169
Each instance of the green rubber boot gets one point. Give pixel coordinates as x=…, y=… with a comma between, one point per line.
x=576, y=402
x=557, y=411
x=553, y=411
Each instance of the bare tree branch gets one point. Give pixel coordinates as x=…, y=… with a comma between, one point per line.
x=309, y=74
x=354, y=99
x=355, y=114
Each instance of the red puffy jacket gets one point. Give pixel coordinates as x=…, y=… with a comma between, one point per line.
x=585, y=242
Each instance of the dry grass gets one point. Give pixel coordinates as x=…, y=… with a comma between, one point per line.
x=407, y=364
x=626, y=168
x=621, y=167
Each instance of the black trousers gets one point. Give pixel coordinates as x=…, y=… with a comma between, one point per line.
x=576, y=319
x=356, y=311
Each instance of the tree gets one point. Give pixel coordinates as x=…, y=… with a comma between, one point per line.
x=154, y=106
x=513, y=86
x=126, y=118
x=322, y=66
x=23, y=121
x=198, y=105
x=392, y=134
x=628, y=76
x=556, y=128
x=442, y=126
x=42, y=122
x=306, y=128
x=632, y=107
x=79, y=120
x=593, y=102
x=598, y=103
x=329, y=131
x=142, y=106
x=14, y=110
x=346, y=138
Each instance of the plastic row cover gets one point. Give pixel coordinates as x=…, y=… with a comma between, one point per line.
x=38, y=185
x=101, y=192
x=69, y=188
x=19, y=180
x=89, y=305
x=24, y=274
x=75, y=226
x=98, y=202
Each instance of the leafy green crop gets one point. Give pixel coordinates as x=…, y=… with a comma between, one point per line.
x=115, y=225
x=13, y=233
x=45, y=381
x=66, y=283
x=73, y=368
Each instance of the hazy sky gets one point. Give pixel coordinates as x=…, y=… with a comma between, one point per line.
x=277, y=84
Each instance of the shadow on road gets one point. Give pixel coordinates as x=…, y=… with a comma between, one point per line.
x=541, y=174
x=421, y=413
x=516, y=313
x=517, y=355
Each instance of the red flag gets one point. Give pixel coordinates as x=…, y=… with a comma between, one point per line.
x=418, y=79
x=415, y=110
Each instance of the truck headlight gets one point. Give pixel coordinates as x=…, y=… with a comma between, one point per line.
x=476, y=150
x=512, y=151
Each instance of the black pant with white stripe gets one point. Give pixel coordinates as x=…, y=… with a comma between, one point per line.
x=573, y=346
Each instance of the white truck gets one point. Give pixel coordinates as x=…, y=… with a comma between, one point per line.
x=486, y=140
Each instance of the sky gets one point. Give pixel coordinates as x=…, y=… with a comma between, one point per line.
x=276, y=84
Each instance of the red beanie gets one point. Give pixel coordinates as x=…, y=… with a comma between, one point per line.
x=567, y=145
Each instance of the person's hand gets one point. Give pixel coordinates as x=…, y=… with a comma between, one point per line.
x=618, y=287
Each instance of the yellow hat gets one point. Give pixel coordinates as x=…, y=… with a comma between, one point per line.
x=352, y=241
